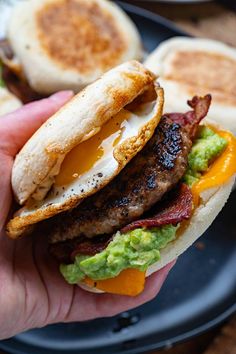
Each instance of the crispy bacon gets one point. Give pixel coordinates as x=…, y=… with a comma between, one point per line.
x=172, y=211
x=66, y=251
x=192, y=119
x=92, y=246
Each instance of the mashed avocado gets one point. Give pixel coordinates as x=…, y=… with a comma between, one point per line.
x=136, y=249
x=140, y=248
x=206, y=148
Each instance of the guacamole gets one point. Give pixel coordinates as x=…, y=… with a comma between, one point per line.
x=136, y=249
x=140, y=248
x=206, y=148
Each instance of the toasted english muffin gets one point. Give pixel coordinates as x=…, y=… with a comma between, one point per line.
x=190, y=65
x=86, y=144
x=67, y=44
x=8, y=102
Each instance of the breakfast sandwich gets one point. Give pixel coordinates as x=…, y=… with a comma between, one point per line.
x=120, y=187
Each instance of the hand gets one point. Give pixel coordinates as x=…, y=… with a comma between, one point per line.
x=32, y=291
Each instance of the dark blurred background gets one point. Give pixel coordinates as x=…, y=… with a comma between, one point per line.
x=212, y=19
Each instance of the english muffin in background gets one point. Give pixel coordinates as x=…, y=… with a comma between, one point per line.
x=8, y=102
x=68, y=44
x=189, y=66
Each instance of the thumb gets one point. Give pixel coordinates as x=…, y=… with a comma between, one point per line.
x=17, y=127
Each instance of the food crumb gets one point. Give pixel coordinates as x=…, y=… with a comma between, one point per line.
x=200, y=245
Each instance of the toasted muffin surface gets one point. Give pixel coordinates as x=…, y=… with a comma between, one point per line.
x=196, y=66
x=78, y=34
x=202, y=72
x=70, y=42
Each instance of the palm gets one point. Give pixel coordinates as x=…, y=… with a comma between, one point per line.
x=32, y=291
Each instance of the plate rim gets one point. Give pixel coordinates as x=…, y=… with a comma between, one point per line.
x=181, y=338
x=140, y=11
x=165, y=344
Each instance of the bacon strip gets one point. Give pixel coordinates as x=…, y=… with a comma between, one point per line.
x=92, y=246
x=192, y=119
x=66, y=251
x=171, y=211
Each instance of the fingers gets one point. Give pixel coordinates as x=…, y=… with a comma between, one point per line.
x=17, y=127
x=87, y=306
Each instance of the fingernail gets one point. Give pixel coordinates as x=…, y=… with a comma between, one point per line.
x=62, y=95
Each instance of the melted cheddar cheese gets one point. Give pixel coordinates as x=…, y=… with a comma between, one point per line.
x=129, y=282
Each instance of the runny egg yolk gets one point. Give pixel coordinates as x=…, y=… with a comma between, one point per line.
x=84, y=156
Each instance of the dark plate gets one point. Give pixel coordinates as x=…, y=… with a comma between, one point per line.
x=199, y=293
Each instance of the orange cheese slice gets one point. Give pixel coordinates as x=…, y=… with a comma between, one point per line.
x=129, y=282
